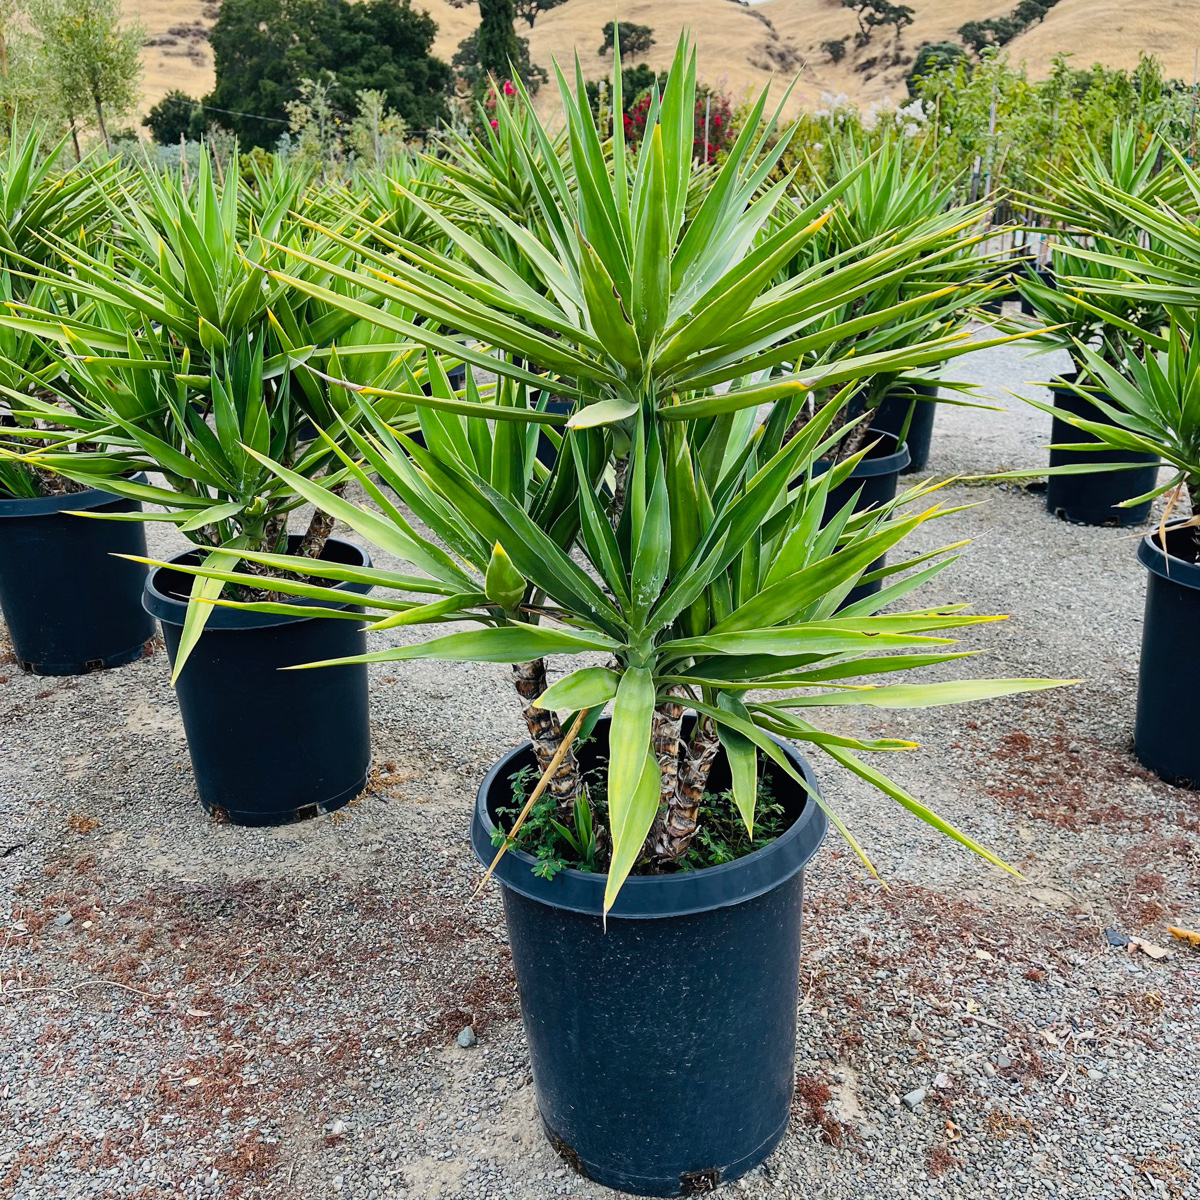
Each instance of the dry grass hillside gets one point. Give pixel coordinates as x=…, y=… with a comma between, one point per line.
x=740, y=46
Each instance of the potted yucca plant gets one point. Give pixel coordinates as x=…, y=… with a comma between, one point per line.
x=1082, y=308
x=887, y=196
x=678, y=548
x=1145, y=396
x=69, y=605
x=187, y=361
x=1151, y=405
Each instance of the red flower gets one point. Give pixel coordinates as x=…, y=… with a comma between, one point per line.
x=509, y=90
x=495, y=123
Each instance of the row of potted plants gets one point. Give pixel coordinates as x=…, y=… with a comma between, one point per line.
x=701, y=352
x=1136, y=264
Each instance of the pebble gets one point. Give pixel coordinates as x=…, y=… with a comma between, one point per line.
x=63, y=919
x=466, y=1037
x=913, y=1098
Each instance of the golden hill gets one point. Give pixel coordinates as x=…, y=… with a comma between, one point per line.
x=742, y=47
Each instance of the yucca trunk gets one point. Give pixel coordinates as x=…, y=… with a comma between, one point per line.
x=546, y=734
x=274, y=529
x=676, y=823
x=312, y=544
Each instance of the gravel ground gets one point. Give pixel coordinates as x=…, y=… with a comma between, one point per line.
x=193, y=1010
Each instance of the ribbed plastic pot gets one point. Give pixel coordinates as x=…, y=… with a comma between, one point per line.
x=270, y=746
x=872, y=483
x=663, y=1046
x=70, y=606
x=1092, y=498
x=893, y=412
x=1170, y=665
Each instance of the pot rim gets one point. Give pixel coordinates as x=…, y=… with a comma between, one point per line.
x=883, y=464
x=654, y=897
x=172, y=611
x=48, y=506
x=1164, y=564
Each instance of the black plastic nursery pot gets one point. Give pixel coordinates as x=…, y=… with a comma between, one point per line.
x=1170, y=665
x=547, y=451
x=893, y=412
x=873, y=482
x=70, y=605
x=1092, y=498
x=663, y=1046
x=270, y=746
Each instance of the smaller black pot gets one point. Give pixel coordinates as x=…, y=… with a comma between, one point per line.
x=270, y=746
x=547, y=452
x=893, y=413
x=873, y=482
x=1092, y=498
x=1170, y=666
x=662, y=1042
x=70, y=605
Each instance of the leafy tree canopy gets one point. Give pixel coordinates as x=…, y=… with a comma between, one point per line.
x=635, y=39
x=91, y=59
x=264, y=48
x=176, y=116
x=932, y=56
x=466, y=64
x=530, y=10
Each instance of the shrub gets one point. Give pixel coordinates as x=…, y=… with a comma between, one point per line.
x=635, y=39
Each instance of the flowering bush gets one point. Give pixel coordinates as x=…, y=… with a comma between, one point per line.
x=714, y=124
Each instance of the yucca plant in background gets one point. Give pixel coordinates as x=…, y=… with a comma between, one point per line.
x=1094, y=210
x=39, y=201
x=1142, y=389
x=183, y=358
x=183, y=351
x=890, y=196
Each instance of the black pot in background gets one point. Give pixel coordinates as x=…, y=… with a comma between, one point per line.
x=547, y=452
x=663, y=1047
x=872, y=483
x=1092, y=498
x=270, y=746
x=893, y=412
x=70, y=606
x=1163, y=738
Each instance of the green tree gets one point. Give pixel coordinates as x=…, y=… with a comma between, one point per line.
x=466, y=64
x=177, y=116
x=10, y=12
x=932, y=56
x=497, y=47
x=530, y=10
x=262, y=49
x=835, y=48
x=995, y=31
x=635, y=39
x=873, y=13
x=94, y=62
x=25, y=82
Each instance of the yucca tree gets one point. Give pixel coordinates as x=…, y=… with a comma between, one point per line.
x=709, y=575
x=39, y=201
x=886, y=198
x=1157, y=262
x=1110, y=212
x=181, y=350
